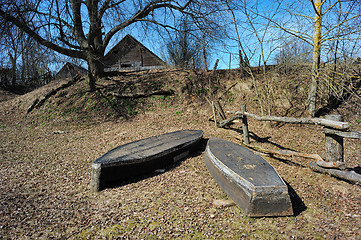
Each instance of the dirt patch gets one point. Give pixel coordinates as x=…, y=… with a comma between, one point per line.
x=46, y=161
x=6, y=95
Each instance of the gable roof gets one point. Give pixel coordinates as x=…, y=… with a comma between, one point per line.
x=130, y=53
x=70, y=70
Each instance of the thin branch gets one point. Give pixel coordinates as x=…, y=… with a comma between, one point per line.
x=141, y=14
x=24, y=27
x=339, y=24
x=328, y=9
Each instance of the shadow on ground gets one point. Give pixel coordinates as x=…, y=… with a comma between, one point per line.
x=298, y=205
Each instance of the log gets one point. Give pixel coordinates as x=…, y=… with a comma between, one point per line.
x=336, y=165
x=290, y=153
x=356, y=134
x=245, y=126
x=228, y=121
x=143, y=94
x=317, y=121
x=351, y=176
x=223, y=203
x=38, y=102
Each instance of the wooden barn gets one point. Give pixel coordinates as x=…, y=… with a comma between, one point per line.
x=70, y=70
x=129, y=54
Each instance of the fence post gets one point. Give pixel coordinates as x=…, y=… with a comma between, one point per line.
x=334, y=143
x=245, y=126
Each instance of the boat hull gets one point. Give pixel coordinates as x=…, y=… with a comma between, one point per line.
x=141, y=157
x=251, y=182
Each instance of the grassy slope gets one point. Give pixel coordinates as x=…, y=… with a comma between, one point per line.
x=46, y=159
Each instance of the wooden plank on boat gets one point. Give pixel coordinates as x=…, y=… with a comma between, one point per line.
x=251, y=182
x=143, y=156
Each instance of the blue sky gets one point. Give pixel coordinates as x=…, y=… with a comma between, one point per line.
x=271, y=38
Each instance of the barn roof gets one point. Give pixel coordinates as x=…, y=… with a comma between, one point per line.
x=129, y=53
x=70, y=70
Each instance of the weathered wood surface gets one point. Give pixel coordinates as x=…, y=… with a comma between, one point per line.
x=139, y=157
x=223, y=203
x=351, y=176
x=333, y=143
x=142, y=94
x=355, y=134
x=251, y=182
x=245, y=126
x=128, y=51
x=317, y=121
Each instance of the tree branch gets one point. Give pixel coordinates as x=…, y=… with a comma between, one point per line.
x=78, y=24
x=339, y=24
x=24, y=27
x=141, y=14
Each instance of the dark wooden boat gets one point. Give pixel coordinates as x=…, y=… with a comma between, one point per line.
x=251, y=182
x=143, y=156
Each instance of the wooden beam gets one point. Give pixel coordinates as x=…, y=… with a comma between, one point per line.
x=230, y=120
x=317, y=121
x=333, y=143
x=143, y=94
x=351, y=176
x=245, y=126
x=344, y=134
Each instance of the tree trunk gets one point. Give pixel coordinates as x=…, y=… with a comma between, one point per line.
x=95, y=71
x=205, y=59
x=315, y=58
x=13, y=69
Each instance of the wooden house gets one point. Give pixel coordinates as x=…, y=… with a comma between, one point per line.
x=70, y=70
x=129, y=54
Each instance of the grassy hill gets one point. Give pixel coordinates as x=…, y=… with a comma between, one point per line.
x=46, y=157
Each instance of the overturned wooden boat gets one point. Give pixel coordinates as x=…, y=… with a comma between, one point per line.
x=143, y=156
x=251, y=182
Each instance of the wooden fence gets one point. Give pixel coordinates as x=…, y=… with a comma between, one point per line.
x=335, y=131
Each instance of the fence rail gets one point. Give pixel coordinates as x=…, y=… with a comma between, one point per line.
x=335, y=130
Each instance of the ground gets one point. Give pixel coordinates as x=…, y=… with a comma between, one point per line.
x=46, y=157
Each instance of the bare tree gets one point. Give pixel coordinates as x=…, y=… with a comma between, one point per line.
x=253, y=36
x=28, y=60
x=83, y=29
x=184, y=49
x=294, y=51
x=11, y=48
x=323, y=27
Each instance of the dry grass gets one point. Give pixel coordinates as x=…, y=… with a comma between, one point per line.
x=45, y=171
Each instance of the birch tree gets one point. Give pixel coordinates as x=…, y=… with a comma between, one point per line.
x=312, y=22
x=316, y=55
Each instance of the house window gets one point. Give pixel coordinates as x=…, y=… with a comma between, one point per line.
x=126, y=65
